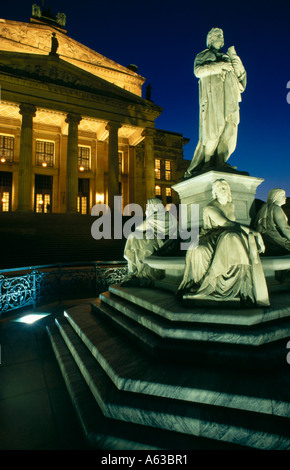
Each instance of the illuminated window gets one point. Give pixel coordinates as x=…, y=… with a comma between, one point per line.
x=44, y=153
x=168, y=193
x=83, y=204
x=84, y=158
x=163, y=169
x=5, y=201
x=157, y=169
x=42, y=203
x=158, y=192
x=168, y=170
x=43, y=193
x=83, y=195
x=5, y=191
x=6, y=149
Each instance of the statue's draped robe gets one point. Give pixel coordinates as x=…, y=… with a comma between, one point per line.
x=226, y=264
x=272, y=223
x=159, y=226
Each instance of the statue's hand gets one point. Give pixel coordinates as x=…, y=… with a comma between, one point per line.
x=260, y=242
x=227, y=66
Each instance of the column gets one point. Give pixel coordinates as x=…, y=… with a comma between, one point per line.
x=149, y=164
x=25, y=201
x=73, y=121
x=132, y=174
x=113, y=162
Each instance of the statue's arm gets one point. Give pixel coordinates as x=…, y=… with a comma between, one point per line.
x=208, y=68
x=218, y=218
x=238, y=67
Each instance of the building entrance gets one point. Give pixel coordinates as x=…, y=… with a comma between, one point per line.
x=43, y=193
x=84, y=195
x=5, y=191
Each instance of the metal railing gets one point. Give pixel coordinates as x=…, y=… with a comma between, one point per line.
x=36, y=285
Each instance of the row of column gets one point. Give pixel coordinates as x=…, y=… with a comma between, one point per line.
x=25, y=203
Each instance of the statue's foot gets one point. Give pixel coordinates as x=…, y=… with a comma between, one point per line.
x=187, y=174
x=192, y=291
x=130, y=281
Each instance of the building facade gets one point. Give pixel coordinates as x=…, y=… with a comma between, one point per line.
x=74, y=128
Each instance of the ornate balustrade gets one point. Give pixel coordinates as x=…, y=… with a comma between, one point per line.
x=48, y=283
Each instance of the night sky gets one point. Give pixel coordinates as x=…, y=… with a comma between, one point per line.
x=163, y=37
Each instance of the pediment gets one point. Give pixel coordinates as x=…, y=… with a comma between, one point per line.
x=54, y=70
x=35, y=38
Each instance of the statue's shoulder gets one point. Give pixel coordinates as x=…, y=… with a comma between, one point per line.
x=206, y=55
x=211, y=206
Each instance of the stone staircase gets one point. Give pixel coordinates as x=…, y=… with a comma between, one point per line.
x=146, y=372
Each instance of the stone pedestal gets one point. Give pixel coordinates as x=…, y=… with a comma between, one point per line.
x=198, y=190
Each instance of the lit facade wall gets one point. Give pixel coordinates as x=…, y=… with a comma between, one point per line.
x=69, y=137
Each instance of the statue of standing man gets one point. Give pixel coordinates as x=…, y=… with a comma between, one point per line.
x=222, y=79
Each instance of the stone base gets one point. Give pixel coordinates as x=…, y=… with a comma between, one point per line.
x=198, y=190
x=155, y=377
x=174, y=266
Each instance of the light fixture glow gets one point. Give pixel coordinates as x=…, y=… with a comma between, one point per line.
x=81, y=168
x=3, y=160
x=44, y=164
x=100, y=198
x=31, y=318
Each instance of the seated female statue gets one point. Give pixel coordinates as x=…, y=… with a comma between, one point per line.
x=226, y=264
x=272, y=223
x=147, y=238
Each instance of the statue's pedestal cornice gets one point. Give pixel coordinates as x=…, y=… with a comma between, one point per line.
x=198, y=190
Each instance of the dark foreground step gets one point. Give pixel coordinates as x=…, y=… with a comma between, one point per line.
x=110, y=434
x=229, y=425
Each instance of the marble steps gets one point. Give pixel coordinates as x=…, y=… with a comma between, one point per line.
x=130, y=369
x=181, y=399
x=262, y=345
x=106, y=433
x=165, y=305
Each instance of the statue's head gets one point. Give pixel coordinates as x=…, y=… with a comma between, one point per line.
x=221, y=190
x=215, y=38
x=276, y=196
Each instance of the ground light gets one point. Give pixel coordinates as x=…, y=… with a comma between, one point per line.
x=31, y=318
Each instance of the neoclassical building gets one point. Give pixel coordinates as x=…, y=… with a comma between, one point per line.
x=74, y=127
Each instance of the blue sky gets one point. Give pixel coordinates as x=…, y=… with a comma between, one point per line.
x=163, y=37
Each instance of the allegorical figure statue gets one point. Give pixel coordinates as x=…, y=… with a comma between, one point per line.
x=225, y=265
x=222, y=79
x=272, y=223
x=36, y=12
x=158, y=226
x=54, y=45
